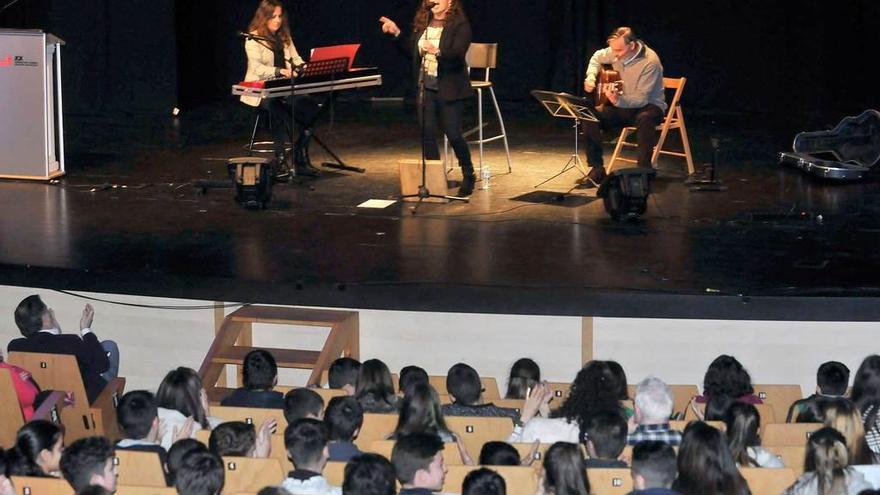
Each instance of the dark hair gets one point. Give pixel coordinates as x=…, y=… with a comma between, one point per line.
x=726, y=376
x=410, y=376
x=374, y=382
x=305, y=441
x=565, y=470
x=832, y=378
x=369, y=474
x=866, y=389
x=717, y=406
x=654, y=461
x=483, y=482
x=84, y=458
x=94, y=490
x=178, y=451
x=180, y=390
x=273, y=490
x=32, y=438
x=742, y=424
x=595, y=388
x=524, y=374
x=136, y=412
x=259, y=23
x=343, y=371
x=233, y=438
x=499, y=454
x=29, y=315
x=420, y=22
x=259, y=371
x=200, y=473
x=828, y=459
x=420, y=412
x=412, y=453
x=300, y=403
x=617, y=369
x=607, y=431
x=623, y=32
x=344, y=417
x=705, y=464
x=463, y=384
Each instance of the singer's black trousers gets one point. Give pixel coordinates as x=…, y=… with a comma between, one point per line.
x=449, y=114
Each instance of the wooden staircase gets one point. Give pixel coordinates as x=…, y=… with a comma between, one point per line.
x=235, y=335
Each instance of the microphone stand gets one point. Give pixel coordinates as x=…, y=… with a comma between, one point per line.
x=423, y=188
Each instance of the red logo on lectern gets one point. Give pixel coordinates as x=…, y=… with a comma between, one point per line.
x=6, y=61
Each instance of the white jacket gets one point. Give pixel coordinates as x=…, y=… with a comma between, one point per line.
x=175, y=419
x=546, y=430
x=261, y=64
x=316, y=485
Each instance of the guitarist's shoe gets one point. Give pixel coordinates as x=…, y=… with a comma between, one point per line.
x=594, y=178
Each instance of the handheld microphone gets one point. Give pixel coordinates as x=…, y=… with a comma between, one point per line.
x=430, y=5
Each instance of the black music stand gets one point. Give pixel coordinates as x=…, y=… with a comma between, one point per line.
x=325, y=69
x=567, y=106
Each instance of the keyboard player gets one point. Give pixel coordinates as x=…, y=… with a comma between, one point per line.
x=271, y=54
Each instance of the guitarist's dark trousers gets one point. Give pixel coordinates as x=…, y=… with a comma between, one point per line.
x=644, y=119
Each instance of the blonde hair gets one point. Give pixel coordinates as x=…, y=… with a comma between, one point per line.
x=827, y=458
x=844, y=417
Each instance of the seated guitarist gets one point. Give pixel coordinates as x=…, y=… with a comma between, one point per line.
x=640, y=102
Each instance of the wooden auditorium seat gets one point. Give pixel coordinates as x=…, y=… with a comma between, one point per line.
x=792, y=456
x=375, y=427
x=334, y=472
x=787, y=434
x=524, y=449
x=610, y=481
x=144, y=490
x=251, y=415
x=139, y=468
x=474, y=431
x=781, y=397
x=247, y=474
x=765, y=481
x=28, y=485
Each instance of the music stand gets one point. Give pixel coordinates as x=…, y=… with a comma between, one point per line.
x=567, y=106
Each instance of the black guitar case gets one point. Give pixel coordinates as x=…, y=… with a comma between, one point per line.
x=845, y=153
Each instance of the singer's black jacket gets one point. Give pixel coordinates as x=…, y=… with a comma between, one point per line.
x=453, y=81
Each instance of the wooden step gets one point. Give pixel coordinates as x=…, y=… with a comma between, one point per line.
x=290, y=316
x=284, y=358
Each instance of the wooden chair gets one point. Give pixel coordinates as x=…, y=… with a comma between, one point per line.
x=560, y=392
x=475, y=431
x=524, y=448
x=781, y=397
x=792, y=456
x=787, y=434
x=145, y=490
x=490, y=386
x=510, y=403
x=61, y=372
x=250, y=415
x=680, y=425
x=139, y=468
x=26, y=485
x=247, y=474
x=674, y=120
x=610, y=481
x=451, y=455
x=375, y=427
x=520, y=480
x=334, y=472
x=763, y=481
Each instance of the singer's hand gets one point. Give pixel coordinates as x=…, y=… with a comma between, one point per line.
x=389, y=26
x=286, y=72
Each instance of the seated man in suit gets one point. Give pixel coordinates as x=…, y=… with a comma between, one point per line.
x=98, y=361
x=260, y=375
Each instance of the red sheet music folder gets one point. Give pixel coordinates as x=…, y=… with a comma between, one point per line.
x=337, y=51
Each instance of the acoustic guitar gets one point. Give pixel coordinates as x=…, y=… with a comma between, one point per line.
x=607, y=78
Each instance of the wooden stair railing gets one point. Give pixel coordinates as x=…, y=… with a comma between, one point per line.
x=234, y=336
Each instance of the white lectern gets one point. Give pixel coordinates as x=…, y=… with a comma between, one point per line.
x=31, y=125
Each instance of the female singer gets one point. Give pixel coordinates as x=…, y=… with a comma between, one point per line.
x=440, y=39
x=272, y=54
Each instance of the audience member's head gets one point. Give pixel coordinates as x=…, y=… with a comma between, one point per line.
x=827, y=457
x=866, y=386
x=259, y=371
x=369, y=474
x=726, y=376
x=302, y=403
x=137, y=415
x=178, y=451
x=463, y=384
x=605, y=435
x=524, y=375
x=37, y=450
x=653, y=465
x=31, y=315
x=705, y=464
x=832, y=378
x=410, y=376
x=420, y=412
x=181, y=390
x=343, y=374
x=620, y=375
x=653, y=401
x=306, y=444
x=200, y=473
x=594, y=389
x=374, y=382
x=418, y=461
x=742, y=424
x=717, y=406
x=565, y=470
x=94, y=490
x=842, y=415
x=273, y=490
x=483, y=482
x=89, y=461
x=344, y=417
x=233, y=438
x=499, y=454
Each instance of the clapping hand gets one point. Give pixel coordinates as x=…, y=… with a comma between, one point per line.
x=88, y=316
x=389, y=26
x=264, y=438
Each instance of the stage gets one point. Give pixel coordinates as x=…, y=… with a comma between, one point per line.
x=127, y=219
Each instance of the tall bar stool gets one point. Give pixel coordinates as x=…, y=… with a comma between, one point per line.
x=261, y=147
x=484, y=56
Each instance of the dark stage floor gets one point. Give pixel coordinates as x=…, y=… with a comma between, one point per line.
x=126, y=219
